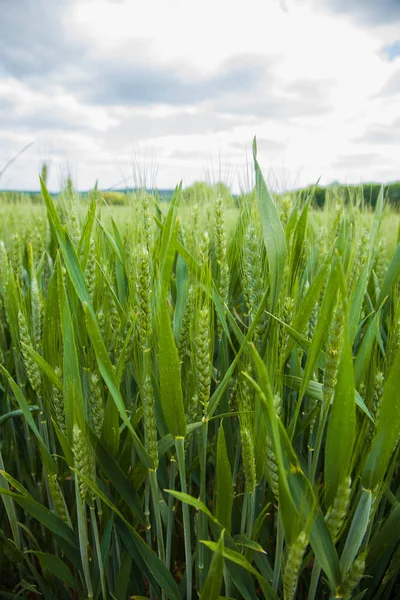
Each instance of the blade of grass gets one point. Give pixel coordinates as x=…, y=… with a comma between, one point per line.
x=213, y=582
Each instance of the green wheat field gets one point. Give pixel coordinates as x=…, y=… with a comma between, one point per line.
x=199, y=400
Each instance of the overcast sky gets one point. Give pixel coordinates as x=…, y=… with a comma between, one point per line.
x=176, y=89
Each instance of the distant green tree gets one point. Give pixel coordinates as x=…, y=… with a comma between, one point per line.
x=317, y=192
x=393, y=191
x=198, y=193
x=367, y=193
x=222, y=190
x=117, y=198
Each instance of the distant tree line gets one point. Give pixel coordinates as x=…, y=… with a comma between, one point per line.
x=202, y=193
x=366, y=194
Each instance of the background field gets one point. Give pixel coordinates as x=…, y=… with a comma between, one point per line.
x=198, y=396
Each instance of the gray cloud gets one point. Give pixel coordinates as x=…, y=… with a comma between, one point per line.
x=188, y=155
x=43, y=112
x=137, y=127
x=267, y=145
x=6, y=105
x=263, y=145
x=305, y=86
x=392, y=86
x=49, y=119
x=368, y=12
x=121, y=82
x=383, y=135
x=243, y=86
x=39, y=48
x=38, y=41
x=301, y=97
x=359, y=161
x=35, y=38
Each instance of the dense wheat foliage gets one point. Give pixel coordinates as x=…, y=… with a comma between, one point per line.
x=199, y=400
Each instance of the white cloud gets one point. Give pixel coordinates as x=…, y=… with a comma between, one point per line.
x=191, y=79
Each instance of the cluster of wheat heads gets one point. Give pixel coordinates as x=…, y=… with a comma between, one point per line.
x=190, y=409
